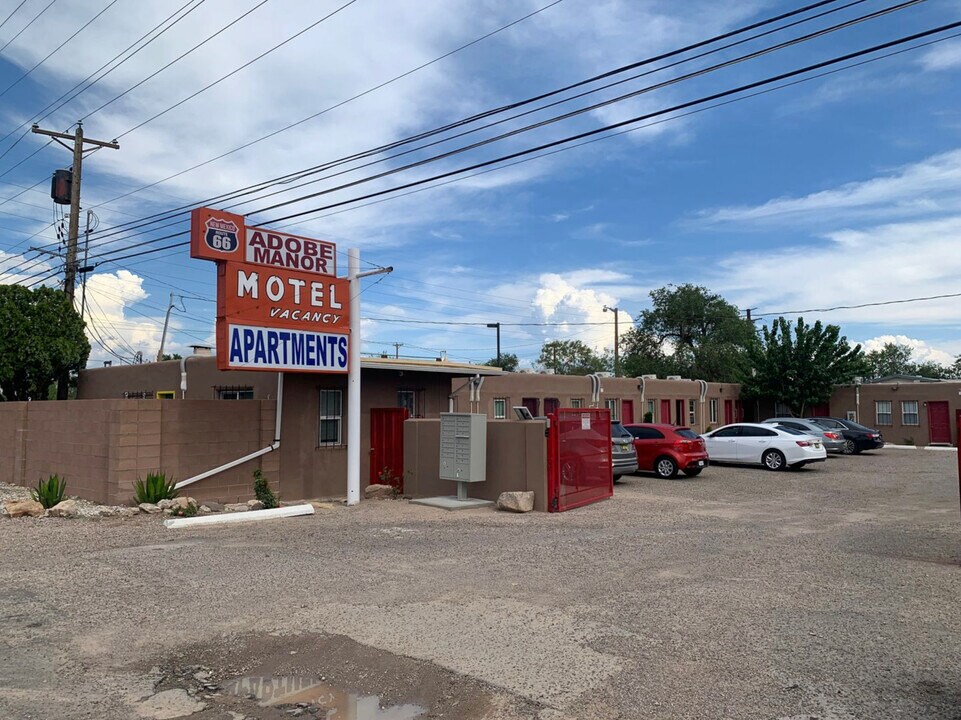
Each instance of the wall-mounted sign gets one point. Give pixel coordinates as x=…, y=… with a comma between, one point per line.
x=280, y=304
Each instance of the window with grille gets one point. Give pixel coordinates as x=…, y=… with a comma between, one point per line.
x=577, y=402
x=500, y=408
x=909, y=413
x=652, y=410
x=712, y=410
x=882, y=412
x=331, y=417
x=235, y=393
x=692, y=412
x=614, y=407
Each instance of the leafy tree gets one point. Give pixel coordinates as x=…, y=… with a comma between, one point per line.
x=641, y=354
x=571, y=357
x=508, y=362
x=43, y=337
x=708, y=337
x=891, y=359
x=801, y=369
x=171, y=356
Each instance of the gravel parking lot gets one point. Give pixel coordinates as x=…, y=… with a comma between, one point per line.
x=833, y=592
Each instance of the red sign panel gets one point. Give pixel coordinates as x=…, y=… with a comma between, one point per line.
x=280, y=305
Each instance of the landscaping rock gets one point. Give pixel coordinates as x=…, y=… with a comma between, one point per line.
x=149, y=508
x=126, y=512
x=521, y=502
x=380, y=492
x=65, y=509
x=166, y=504
x=169, y=704
x=23, y=508
x=204, y=510
x=255, y=505
x=214, y=506
x=236, y=507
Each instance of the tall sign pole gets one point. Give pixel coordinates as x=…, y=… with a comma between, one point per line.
x=70, y=271
x=353, y=374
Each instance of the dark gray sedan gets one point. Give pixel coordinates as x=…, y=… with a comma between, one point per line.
x=832, y=439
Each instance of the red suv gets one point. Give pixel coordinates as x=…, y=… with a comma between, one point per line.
x=665, y=449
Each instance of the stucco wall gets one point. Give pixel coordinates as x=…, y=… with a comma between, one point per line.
x=516, y=460
x=845, y=399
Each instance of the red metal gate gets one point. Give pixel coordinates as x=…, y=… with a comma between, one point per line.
x=387, y=446
x=579, y=463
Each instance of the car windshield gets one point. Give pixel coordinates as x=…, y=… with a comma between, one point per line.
x=687, y=433
x=619, y=431
x=857, y=426
x=820, y=425
x=790, y=430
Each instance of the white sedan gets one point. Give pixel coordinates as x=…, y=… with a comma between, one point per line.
x=775, y=447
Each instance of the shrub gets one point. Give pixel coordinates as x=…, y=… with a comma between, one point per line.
x=909, y=441
x=648, y=417
x=49, y=492
x=154, y=489
x=263, y=492
x=387, y=477
x=188, y=511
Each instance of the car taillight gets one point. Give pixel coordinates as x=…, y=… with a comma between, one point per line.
x=803, y=443
x=832, y=436
x=873, y=435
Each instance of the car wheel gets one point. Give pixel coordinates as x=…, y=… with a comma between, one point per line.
x=773, y=460
x=850, y=447
x=665, y=467
x=693, y=473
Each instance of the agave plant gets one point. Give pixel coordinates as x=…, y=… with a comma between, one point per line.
x=154, y=488
x=49, y=492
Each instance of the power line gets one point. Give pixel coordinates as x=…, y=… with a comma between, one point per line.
x=494, y=111
x=12, y=13
x=35, y=18
x=593, y=133
x=56, y=49
x=335, y=106
x=856, y=307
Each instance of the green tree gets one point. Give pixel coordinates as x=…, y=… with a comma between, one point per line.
x=642, y=354
x=800, y=369
x=571, y=357
x=43, y=337
x=891, y=359
x=508, y=362
x=172, y=356
x=706, y=336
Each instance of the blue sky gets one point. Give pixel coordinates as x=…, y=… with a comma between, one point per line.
x=842, y=190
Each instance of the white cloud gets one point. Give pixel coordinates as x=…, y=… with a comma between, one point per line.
x=928, y=187
x=921, y=351
x=946, y=56
x=565, y=296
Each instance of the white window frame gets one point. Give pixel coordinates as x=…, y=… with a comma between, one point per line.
x=652, y=409
x=692, y=413
x=339, y=418
x=878, y=414
x=577, y=403
x=907, y=413
x=502, y=414
x=712, y=407
x=412, y=406
x=235, y=393
x=851, y=415
x=614, y=405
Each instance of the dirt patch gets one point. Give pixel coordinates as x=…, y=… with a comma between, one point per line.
x=267, y=676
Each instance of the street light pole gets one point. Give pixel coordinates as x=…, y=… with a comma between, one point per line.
x=616, y=335
x=498, y=326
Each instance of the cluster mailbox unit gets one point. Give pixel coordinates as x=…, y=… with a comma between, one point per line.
x=463, y=458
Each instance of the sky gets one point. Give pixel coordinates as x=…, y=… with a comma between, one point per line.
x=837, y=190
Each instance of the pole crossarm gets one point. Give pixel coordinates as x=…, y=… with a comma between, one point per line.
x=113, y=144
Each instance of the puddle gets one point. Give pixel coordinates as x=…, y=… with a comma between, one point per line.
x=339, y=704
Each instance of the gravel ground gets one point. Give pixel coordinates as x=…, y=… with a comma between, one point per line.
x=832, y=592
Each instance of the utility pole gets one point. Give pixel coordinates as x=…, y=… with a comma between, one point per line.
x=70, y=271
x=85, y=268
x=397, y=347
x=163, y=337
x=498, y=326
x=616, y=335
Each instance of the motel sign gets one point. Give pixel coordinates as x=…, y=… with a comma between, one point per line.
x=280, y=304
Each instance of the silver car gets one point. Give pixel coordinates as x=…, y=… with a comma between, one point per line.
x=624, y=455
x=832, y=440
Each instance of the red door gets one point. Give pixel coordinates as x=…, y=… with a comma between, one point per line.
x=939, y=422
x=627, y=411
x=728, y=412
x=666, y=412
x=387, y=446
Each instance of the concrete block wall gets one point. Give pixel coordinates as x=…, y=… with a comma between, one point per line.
x=103, y=446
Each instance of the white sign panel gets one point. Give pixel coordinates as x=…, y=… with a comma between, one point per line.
x=260, y=348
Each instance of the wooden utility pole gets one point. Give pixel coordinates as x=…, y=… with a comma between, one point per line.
x=70, y=270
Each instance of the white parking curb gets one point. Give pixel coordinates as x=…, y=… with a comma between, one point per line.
x=239, y=517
